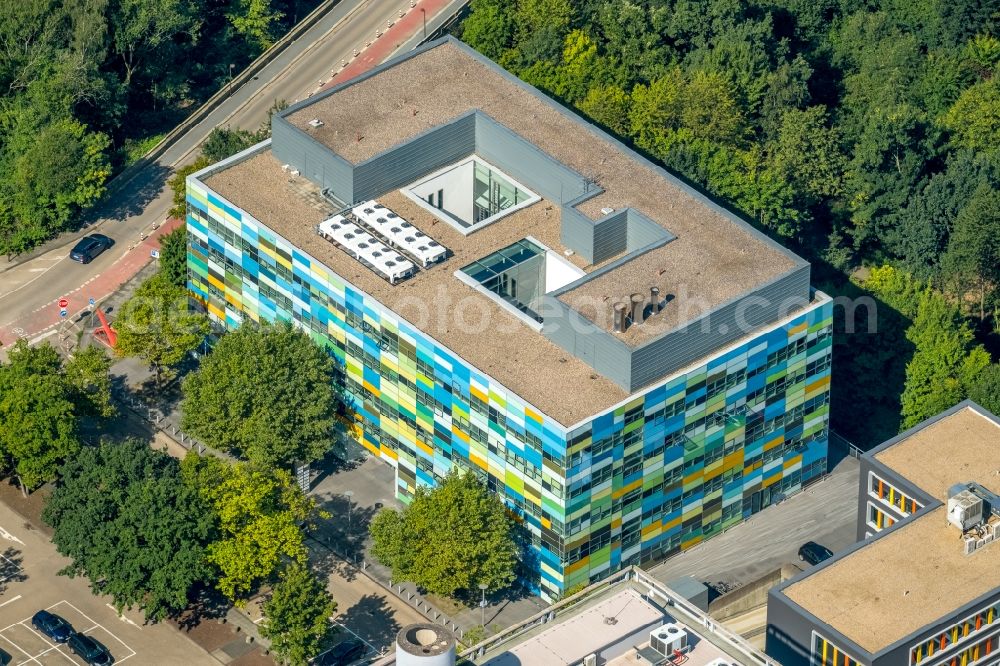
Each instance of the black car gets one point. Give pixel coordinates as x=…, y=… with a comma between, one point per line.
x=342, y=653
x=5, y=658
x=90, y=650
x=52, y=626
x=813, y=553
x=87, y=249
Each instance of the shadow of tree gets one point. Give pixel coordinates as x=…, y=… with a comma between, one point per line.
x=207, y=604
x=342, y=538
x=11, y=568
x=870, y=355
x=133, y=198
x=373, y=620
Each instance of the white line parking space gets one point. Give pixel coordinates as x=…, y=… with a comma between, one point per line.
x=28, y=646
x=8, y=567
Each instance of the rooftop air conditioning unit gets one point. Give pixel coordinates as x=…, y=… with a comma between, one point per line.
x=590, y=660
x=965, y=510
x=719, y=661
x=668, y=638
x=315, y=122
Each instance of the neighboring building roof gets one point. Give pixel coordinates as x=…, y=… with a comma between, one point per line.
x=915, y=573
x=714, y=259
x=638, y=604
x=964, y=446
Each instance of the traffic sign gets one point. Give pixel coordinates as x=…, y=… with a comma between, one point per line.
x=92, y=301
x=63, y=312
x=155, y=254
x=63, y=303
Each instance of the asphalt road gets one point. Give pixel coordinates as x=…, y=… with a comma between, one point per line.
x=144, y=202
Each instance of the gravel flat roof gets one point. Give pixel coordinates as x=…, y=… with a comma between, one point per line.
x=964, y=446
x=916, y=574
x=713, y=258
x=464, y=320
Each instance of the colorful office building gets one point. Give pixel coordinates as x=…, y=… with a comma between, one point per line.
x=511, y=291
x=922, y=585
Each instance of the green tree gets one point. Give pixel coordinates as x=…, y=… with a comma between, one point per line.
x=144, y=32
x=808, y=154
x=38, y=419
x=173, y=257
x=489, y=28
x=266, y=393
x=945, y=364
x=973, y=256
x=258, y=512
x=256, y=20
x=297, y=615
x=609, y=106
x=223, y=142
x=974, y=119
x=449, y=539
x=985, y=389
x=131, y=526
x=156, y=326
x=88, y=373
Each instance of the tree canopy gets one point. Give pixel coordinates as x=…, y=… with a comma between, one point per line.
x=266, y=393
x=89, y=86
x=297, y=615
x=156, y=325
x=450, y=539
x=131, y=526
x=258, y=513
x=42, y=398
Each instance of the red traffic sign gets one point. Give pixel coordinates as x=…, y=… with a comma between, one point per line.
x=63, y=303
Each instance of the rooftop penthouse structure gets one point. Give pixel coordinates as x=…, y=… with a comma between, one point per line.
x=510, y=290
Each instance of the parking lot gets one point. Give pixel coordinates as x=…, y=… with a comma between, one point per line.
x=29, y=582
x=28, y=646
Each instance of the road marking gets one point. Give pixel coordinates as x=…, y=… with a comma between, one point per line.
x=10, y=601
x=10, y=537
x=35, y=340
x=41, y=273
x=122, y=617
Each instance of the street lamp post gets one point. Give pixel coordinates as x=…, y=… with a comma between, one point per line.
x=482, y=606
x=349, y=494
x=231, y=65
x=424, y=12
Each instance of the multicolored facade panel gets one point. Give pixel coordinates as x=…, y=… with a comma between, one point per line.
x=674, y=466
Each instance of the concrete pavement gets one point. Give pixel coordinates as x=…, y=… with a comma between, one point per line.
x=826, y=512
x=294, y=74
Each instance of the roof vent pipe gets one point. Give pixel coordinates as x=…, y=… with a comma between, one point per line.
x=638, y=308
x=654, y=299
x=621, y=316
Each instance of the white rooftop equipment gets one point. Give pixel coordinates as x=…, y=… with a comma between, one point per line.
x=367, y=249
x=400, y=233
x=965, y=510
x=719, y=661
x=668, y=638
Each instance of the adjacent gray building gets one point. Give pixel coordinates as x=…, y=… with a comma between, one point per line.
x=922, y=585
